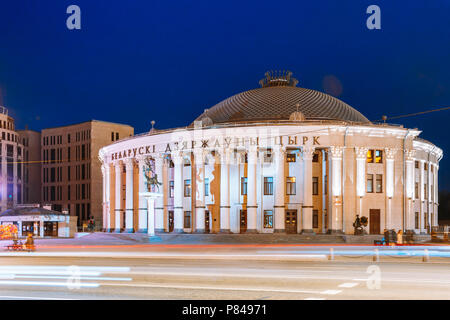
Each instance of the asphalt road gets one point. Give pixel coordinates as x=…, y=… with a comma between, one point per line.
x=189, y=274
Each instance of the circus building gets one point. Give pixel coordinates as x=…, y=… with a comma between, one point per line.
x=279, y=158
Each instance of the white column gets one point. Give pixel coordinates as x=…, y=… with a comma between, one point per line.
x=129, y=165
x=390, y=153
x=199, y=162
x=142, y=228
x=252, y=157
x=159, y=202
x=151, y=216
x=280, y=190
x=422, y=195
x=225, y=158
x=361, y=157
x=336, y=189
x=435, y=222
x=108, y=197
x=118, y=187
x=430, y=197
x=307, y=209
x=178, y=192
x=104, y=212
x=410, y=183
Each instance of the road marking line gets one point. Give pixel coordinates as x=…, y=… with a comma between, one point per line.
x=47, y=284
x=219, y=288
x=441, y=282
x=33, y=298
x=348, y=285
x=331, y=291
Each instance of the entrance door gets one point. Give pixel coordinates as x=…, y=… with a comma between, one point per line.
x=50, y=229
x=290, y=222
x=374, y=221
x=170, y=221
x=27, y=228
x=207, y=229
x=243, y=219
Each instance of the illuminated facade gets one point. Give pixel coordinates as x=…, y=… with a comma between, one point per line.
x=279, y=158
x=12, y=155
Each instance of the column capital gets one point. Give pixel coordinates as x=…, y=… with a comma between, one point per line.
x=308, y=153
x=409, y=155
x=199, y=155
x=177, y=157
x=141, y=159
x=226, y=155
x=278, y=149
x=390, y=153
x=336, y=152
x=361, y=152
x=117, y=164
x=129, y=163
x=104, y=169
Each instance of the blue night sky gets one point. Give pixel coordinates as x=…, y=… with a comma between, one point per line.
x=137, y=61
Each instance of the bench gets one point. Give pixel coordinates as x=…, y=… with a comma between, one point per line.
x=20, y=247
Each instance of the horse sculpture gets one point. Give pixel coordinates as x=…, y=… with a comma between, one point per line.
x=151, y=177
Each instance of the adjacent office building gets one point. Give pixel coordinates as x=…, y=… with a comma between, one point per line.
x=71, y=170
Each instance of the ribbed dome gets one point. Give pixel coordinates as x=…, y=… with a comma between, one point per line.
x=277, y=100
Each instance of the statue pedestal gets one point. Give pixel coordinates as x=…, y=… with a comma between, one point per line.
x=151, y=196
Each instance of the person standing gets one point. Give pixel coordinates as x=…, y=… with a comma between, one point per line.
x=400, y=237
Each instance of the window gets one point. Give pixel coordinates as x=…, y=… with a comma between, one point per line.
x=425, y=166
x=379, y=185
x=187, y=219
x=244, y=186
x=206, y=187
x=268, y=219
x=315, y=186
x=369, y=156
x=315, y=218
x=117, y=136
x=187, y=188
x=268, y=155
x=290, y=185
x=417, y=220
x=416, y=191
x=425, y=193
x=416, y=164
x=290, y=157
x=378, y=156
x=315, y=157
x=369, y=183
x=268, y=186
x=171, y=187
x=325, y=184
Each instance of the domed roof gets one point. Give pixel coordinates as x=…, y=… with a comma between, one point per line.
x=277, y=100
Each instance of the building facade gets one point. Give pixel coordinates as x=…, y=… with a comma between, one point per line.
x=71, y=174
x=279, y=158
x=12, y=154
x=31, y=141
